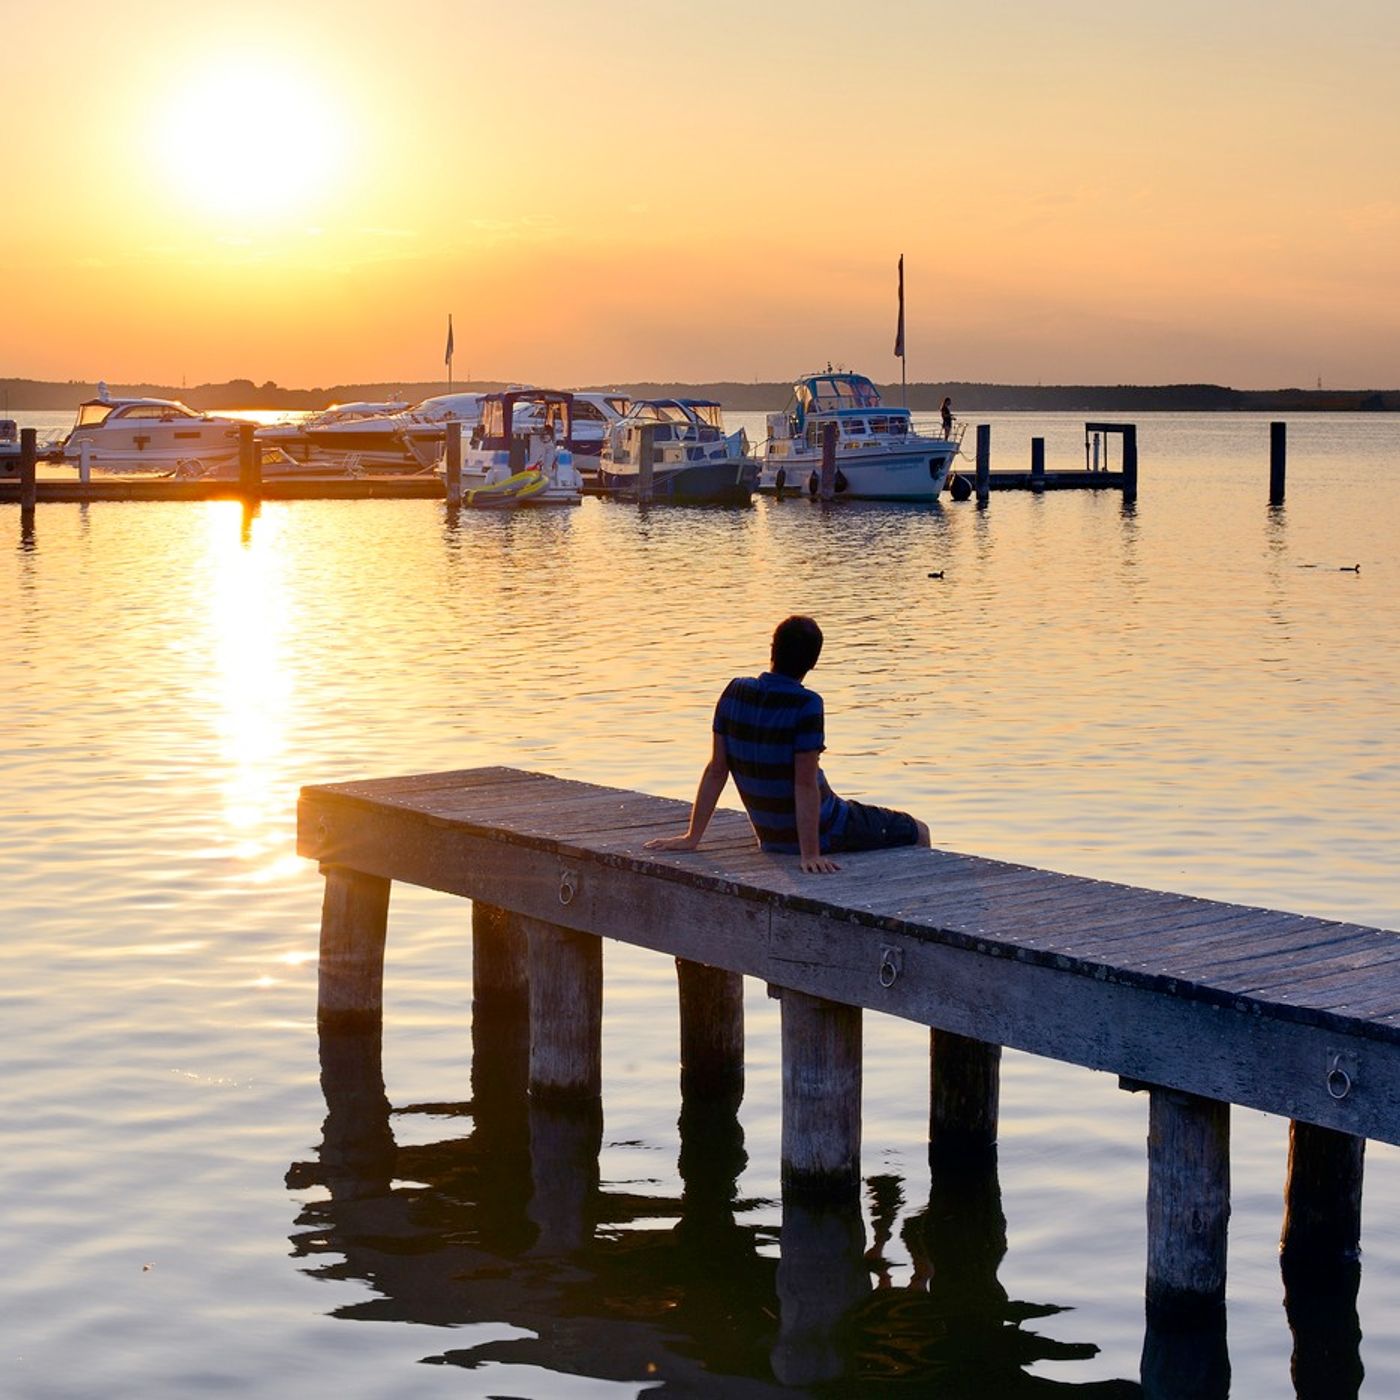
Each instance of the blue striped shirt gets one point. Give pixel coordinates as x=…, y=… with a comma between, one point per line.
x=765, y=721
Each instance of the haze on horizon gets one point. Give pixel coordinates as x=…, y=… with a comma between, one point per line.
x=1084, y=193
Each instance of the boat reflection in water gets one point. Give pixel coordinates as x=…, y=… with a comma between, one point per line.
x=507, y=1226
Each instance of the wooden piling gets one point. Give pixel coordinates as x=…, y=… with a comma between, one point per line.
x=712, y=1031
x=500, y=963
x=566, y=1012
x=984, y=462
x=964, y=1091
x=827, y=480
x=1322, y=1200
x=646, y=464
x=249, y=463
x=1037, y=464
x=1130, y=463
x=454, y=463
x=821, y=1095
x=1188, y=1203
x=354, y=924
x=28, y=460
x=1278, y=462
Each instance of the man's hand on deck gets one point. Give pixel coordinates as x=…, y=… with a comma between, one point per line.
x=673, y=843
x=819, y=865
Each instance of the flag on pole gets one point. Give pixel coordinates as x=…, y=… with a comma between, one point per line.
x=899, y=332
x=448, y=360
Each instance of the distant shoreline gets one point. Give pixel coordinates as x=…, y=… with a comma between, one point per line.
x=35, y=394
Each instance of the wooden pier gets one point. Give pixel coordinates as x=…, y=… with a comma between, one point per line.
x=1201, y=1004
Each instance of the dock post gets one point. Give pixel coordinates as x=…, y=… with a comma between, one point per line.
x=1188, y=1205
x=85, y=461
x=566, y=1012
x=712, y=1031
x=1322, y=1200
x=28, y=460
x=646, y=465
x=249, y=464
x=821, y=1095
x=984, y=462
x=1037, y=464
x=827, y=488
x=454, y=463
x=964, y=1087
x=1278, y=461
x=1130, y=463
x=354, y=924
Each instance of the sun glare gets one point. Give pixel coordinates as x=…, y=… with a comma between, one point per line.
x=250, y=137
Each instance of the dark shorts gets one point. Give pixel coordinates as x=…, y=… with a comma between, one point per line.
x=875, y=829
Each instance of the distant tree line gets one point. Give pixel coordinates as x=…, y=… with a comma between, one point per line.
x=967, y=398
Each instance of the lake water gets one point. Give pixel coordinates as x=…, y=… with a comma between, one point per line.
x=1188, y=695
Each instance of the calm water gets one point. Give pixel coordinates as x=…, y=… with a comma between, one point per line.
x=1191, y=696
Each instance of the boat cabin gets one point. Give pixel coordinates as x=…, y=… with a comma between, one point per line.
x=92, y=412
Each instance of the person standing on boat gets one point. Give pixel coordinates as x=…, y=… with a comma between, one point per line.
x=947, y=413
x=769, y=732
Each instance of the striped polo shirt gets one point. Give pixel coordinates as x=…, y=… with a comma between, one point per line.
x=765, y=721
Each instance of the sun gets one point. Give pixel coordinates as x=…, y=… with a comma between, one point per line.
x=246, y=136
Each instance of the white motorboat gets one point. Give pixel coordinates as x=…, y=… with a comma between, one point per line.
x=386, y=436
x=9, y=444
x=694, y=460
x=521, y=452
x=138, y=434
x=879, y=455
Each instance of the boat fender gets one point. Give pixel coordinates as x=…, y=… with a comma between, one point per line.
x=840, y=482
x=960, y=488
x=812, y=484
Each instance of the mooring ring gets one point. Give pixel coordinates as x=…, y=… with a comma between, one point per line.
x=568, y=887
x=1338, y=1082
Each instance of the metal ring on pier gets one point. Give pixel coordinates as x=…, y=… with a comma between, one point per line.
x=890, y=961
x=1338, y=1081
x=568, y=887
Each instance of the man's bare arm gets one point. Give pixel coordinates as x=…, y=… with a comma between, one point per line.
x=807, y=799
x=707, y=796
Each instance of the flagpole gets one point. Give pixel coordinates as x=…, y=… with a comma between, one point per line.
x=449, y=352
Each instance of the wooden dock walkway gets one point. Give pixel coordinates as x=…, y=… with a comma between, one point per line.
x=1200, y=1003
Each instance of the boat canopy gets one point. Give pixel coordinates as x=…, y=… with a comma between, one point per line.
x=95, y=411
x=535, y=409
x=834, y=392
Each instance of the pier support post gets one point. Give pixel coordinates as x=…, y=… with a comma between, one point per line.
x=354, y=924
x=85, y=461
x=827, y=480
x=984, y=462
x=646, y=465
x=1278, y=461
x=500, y=1002
x=821, y=1095
x=1037, y=464
x=964, y=1087
x=454, y=463
x=1188, y=1204
x=566, y=1012
x=1322, y=1200
x=28, y=470
x=712, y=1031
x=1130, y=464
x=249, y=464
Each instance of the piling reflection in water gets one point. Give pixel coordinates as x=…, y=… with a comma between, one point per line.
x=507, y=1225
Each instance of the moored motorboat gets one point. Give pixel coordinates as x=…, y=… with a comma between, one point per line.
x=879, y=455
x=141, y=434
x=693, y=459
x=521, y=452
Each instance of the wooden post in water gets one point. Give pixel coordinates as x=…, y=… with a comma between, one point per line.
x=1130, y=463
x=827, y=481
x=500, y=963
x=821, y=1095
x=354, y=924
x=249, y=464
x=1278, y=461
x=984, y=462
x=454, y=463
x=1037, y=464
x=566, y=1013
x=646, y=464
x=28, y=459
x=1322, y=1200
x=964, y=1087
x=1188, y=1204
x=712, y=1031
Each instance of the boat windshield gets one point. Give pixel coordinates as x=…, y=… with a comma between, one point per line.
x=91, y=414
x=829, y=393
x=660, y=412
x=711, y=414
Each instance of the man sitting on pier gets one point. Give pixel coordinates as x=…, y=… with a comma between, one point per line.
x=769, y=732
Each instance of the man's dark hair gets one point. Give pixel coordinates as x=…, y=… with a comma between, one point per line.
x=797, y=643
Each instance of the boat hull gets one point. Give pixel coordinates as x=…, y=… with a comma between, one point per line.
x=916, y=475
x=719, y=481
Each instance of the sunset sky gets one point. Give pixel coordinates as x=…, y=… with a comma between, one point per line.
x=1083, y=191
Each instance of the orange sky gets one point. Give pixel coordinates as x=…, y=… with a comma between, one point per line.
x=1100, y=192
